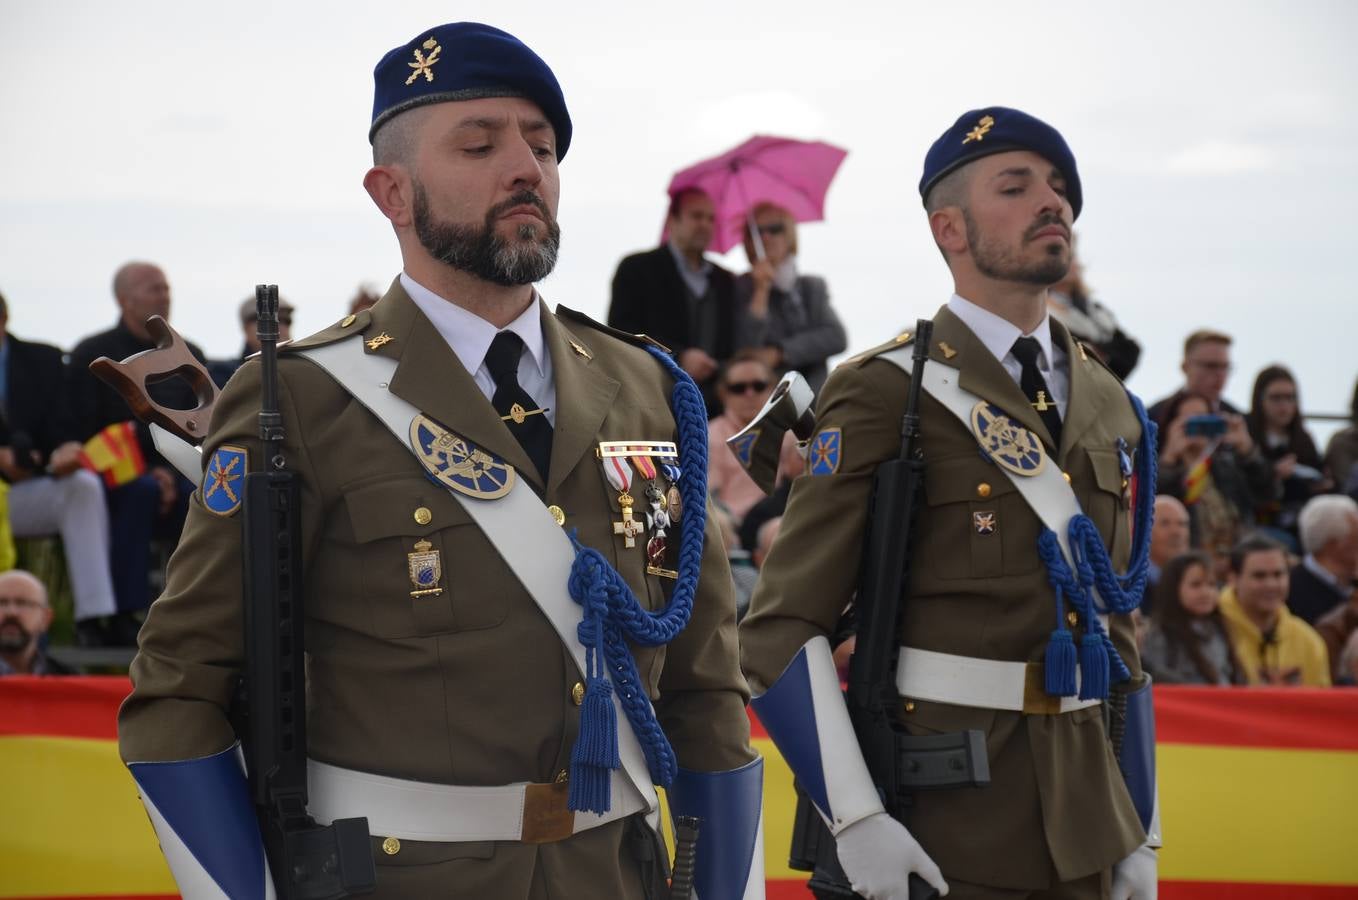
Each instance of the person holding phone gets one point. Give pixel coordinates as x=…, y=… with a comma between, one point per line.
x=1209, y=461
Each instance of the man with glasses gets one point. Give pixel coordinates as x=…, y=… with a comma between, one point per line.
x=680, y=298
x=1206, y=366
x=24, y=619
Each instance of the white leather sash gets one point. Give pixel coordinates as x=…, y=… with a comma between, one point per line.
x=517, y=525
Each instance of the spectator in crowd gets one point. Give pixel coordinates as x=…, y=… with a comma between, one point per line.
x=1275, y=424
x=1187, y=642
x=677, y=296
x=1272, y=645
x=1337, y=629
x=785, y=317
x=744, y=574
x=1341, y=453
x=364, y=298
x=1348, y=662
x=1206, y=366
x=1216, y=470
x=152, y=505
x=743, y=387
x=1169, y=538
x=222, y=369
x=24, y=620
x=1090, y=321
x=1326, y=576
x=49, y=491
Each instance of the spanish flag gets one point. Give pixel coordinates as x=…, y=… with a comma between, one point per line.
x=115, y=454
x=1197, y=478
x=1257, y=796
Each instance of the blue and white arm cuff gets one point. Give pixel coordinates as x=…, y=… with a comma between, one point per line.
x=805, y=715
x=202, y=814
x=730, y=851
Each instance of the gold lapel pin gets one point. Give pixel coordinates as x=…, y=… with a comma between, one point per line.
x=949, y=352
x=380, y=341
x=580, y=350
x=518, y=414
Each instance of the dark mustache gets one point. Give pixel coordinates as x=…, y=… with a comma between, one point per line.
x=1044, y=221
x=520, y=199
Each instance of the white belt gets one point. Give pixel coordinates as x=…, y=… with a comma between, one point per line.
x=984, y=683
x=421, y=811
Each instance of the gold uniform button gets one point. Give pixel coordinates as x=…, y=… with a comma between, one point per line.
x=562, y=776
x=349, y=320
x=1073, y=619
x=423, y=516
x=578, y=693
x=1066, y=475
x=983, y=490
x=391, y=846
x=558, y=514
x=910, y=706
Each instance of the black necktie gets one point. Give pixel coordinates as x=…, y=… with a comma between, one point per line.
x=520, y=412
x=1035, y=388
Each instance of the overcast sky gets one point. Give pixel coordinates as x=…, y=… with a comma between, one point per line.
x=227, y=143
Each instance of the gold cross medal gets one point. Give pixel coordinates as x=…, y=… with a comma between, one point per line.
x=426, y=569
x=619, y=474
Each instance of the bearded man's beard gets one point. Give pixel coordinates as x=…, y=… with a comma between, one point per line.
x=526, y=258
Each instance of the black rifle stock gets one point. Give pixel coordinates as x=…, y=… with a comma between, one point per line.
x=309, y=862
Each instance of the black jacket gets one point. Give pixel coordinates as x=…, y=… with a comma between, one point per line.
x=37, y=412
x=650, y=298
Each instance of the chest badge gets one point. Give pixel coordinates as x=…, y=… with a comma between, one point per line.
x=426, y=570
x=1006, y=443
x=457, y=463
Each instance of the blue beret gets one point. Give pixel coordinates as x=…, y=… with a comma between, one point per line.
x=996, y=129
x=466, y=61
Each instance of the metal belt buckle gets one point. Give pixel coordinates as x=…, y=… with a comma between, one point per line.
x=546, y=817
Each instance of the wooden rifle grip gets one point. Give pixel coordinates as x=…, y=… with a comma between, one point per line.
x=168, y=359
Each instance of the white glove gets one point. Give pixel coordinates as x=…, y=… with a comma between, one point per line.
x=1136, y=877
x=878, y=855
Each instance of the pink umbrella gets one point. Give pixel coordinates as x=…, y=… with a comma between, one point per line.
x=792, y=174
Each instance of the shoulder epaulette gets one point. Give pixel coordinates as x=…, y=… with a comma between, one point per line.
x=636, y=340
x=1088, y=353
x=348, y=326
x=900, y=340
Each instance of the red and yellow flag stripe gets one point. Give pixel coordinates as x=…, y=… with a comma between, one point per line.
x=1257, y=791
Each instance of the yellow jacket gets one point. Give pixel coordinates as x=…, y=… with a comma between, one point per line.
x=1295, y=650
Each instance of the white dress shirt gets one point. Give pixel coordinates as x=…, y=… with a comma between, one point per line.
x=999, y=335
x=469, y=336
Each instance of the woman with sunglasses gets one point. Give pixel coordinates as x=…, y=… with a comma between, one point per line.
x=785, y=316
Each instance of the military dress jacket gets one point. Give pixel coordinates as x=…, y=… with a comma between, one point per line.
x=470, y=687
x=1056, y=808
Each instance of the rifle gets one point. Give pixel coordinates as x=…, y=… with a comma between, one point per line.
x=308, y=862
x=899, y=763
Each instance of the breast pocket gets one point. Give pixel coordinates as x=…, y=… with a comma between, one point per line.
x=424, y=567
x=1104, y=500
x=978, y=524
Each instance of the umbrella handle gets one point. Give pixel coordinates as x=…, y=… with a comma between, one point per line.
x=755, y=236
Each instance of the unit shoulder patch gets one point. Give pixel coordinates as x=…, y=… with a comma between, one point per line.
x=224, y=480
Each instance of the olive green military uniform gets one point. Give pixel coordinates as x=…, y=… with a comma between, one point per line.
x=473, y=686
x=1057, y=809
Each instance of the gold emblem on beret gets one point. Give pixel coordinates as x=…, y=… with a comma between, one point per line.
x=976, y=134
x=424, y=65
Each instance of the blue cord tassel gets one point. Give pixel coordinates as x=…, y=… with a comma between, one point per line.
x=1093, y=667
x=1059, y=666
x=596, y=749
